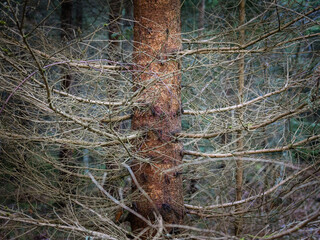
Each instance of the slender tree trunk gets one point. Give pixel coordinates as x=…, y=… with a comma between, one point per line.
x=114, y=49
x=66, y=33
x=114, y=53
x=115, y=7
x=65, y=153
x=157, y=34
x=239, y=163
x=66, y=19
x=202, y=7
x=79, y=16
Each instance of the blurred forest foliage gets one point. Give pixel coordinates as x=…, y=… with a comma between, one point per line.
x=67, y=97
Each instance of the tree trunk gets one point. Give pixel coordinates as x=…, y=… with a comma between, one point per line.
x=66, y=33
x=66, y=19
x=65, y=153
x=79, y=16
x=157, y=34
x=115, y=8
x=202, y=7
x=239, y=163
x=114, y=54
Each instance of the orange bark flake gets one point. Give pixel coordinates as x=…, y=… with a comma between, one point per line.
x=156, y=35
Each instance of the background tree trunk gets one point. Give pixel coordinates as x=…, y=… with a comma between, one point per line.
x=115, y=9
x=240, y=145
x=66, y=33
x=202, y=7
x=66, y=153
x=157, y=34
x=79, y=16
x=66, y=19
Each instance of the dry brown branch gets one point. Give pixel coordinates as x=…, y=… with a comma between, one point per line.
x=51, y=139
x=238, y=106
x=297, y=227
x=246, y=45
x=250, y=127
x=42, y=223
x=257, y=160
x=274, y=188
x=259, y=151
x=280, y=28
x=118, y=202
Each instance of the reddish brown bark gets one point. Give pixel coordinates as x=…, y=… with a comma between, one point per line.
x=157, y=34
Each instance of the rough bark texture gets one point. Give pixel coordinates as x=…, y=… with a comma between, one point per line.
x=157, y=34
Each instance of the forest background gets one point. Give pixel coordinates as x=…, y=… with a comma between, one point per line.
x=248, y=120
